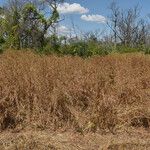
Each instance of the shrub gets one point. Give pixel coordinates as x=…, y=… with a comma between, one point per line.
x=127, y=49
x=147, y=50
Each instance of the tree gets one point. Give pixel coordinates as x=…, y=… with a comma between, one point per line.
x=127, y=27
x=52, y=22
x=26, y=24
x=114, y=19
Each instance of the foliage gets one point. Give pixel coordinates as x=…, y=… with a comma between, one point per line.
x=127, y=49
x=25, y=24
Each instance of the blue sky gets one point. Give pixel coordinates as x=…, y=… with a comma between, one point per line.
x=89, y=8
x=100, y=7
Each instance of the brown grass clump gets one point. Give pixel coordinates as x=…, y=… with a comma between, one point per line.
x=99, y=94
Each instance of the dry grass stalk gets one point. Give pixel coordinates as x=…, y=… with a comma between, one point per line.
x=97, y=94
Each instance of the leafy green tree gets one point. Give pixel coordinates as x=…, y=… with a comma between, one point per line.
x=36, y=25
x=25, y=25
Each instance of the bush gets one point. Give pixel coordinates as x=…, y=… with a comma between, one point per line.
x=97, y=49
x=80, y=49
x=85, y=49
x=76, y=49
x=147, y=50
x=126, y=49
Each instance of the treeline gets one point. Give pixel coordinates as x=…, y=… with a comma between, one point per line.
x=32, y=24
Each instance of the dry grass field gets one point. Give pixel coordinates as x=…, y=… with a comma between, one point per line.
x=70, y=103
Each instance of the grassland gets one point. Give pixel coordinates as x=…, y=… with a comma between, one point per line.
x=50, y=102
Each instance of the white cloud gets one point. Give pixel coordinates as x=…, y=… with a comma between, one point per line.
x=94, y=18
x=67, y=8
x=63, y=29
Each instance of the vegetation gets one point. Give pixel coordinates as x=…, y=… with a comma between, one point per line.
x=25, y=24
x=96, y=95
x=71, y=92
x=49, y=102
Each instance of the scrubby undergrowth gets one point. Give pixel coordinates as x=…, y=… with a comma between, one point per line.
x=100, y=94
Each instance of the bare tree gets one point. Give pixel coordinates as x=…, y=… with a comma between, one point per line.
x=126, y=25
x=114, y=19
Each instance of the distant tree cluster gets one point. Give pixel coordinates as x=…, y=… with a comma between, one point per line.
x=26, y=24
x=128, y=27
x=23, y=23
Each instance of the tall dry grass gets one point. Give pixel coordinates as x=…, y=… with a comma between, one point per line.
x=103, y=94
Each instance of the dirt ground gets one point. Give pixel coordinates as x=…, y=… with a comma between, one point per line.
x=46, y=140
